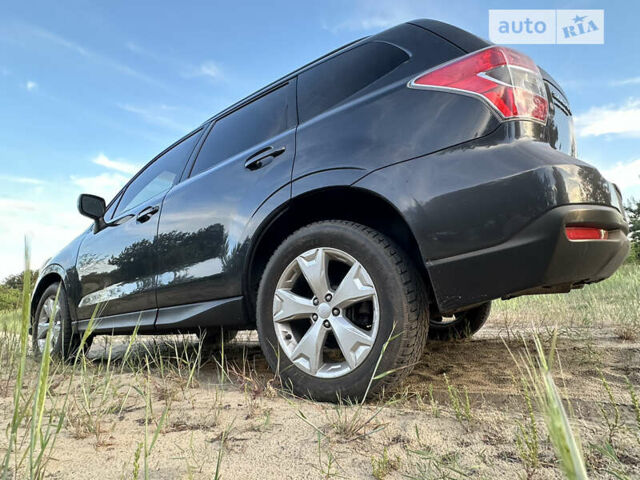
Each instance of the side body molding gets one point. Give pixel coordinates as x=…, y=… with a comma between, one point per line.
x=180, y=318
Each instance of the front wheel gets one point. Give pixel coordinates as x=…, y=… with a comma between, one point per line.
x=54, y=316
x=340, y=312
x=461, y=325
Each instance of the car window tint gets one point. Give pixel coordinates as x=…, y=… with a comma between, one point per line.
x=112, y=207
x=250, y=125
x=158, y=177
x=336, y=79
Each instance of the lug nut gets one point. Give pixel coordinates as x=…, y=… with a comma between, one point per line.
x=314, y=317
x=327, y=297
x=315, y=301
x=287, y=336
x=336, y=312
x=326, y=324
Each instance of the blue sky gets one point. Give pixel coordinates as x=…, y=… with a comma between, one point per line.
x=89, y=92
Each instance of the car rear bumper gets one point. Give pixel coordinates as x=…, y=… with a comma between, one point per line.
x=538, y=259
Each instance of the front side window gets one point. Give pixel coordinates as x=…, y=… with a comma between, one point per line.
x=250, y=125
x=112, y=206
x=159, y=176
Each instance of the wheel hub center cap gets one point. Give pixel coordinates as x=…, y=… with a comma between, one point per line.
x=324, y=310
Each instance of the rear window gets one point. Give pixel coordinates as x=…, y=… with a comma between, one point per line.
x=250, y=125
x=560, y=122
x=338, y=78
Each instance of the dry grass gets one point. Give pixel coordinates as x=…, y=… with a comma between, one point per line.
x=164, y=408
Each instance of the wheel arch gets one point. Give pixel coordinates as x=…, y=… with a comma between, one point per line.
x=53, y=274
x=333, y=203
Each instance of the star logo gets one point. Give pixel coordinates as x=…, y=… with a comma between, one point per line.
x=578, y=19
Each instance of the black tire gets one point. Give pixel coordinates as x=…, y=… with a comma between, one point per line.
x=401, y=299
x=67, y=343
x=213, y=338
x=464, y=324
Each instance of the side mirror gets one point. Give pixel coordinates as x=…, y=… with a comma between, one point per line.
x=91, y=206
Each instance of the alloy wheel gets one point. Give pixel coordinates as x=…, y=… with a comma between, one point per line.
x=326, y=312
x=45, y=321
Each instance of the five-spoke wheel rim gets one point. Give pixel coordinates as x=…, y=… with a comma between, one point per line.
x=326, y=312
x=45, y=322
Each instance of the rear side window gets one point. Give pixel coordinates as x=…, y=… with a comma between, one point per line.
x=336, y=79
x=250, y=125
x=159, y=176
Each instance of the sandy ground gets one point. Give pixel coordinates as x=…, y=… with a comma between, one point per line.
x=265, y=434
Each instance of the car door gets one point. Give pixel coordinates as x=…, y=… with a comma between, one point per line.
x=116, y=265
x=246, y=158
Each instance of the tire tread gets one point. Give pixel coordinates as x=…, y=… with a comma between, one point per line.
x=415, y=335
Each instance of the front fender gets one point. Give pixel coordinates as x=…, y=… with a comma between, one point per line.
x=61, y=267
x=49, y=274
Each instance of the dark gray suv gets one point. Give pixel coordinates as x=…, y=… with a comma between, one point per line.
x=383, y=194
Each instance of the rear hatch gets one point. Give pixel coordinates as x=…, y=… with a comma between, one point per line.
x=559, y=127
x=558, y=131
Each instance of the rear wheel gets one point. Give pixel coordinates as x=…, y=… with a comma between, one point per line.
x=55, y=316
x=339, y=304
x=461, y=325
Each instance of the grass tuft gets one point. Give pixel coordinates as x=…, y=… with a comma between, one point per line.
x=459, y=402
x=537, y=375
x=527, y=436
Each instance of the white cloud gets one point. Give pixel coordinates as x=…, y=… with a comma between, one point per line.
x=47, y=215
x=116, y=165
x=369, y=22
x=135, y=48
x=105, y=185
x=20, y=29
x=48, y=229
x=625, y=81
x=208, y=68
x=156, y=57
x=610, y=120
x=25, y=180
x=625, y=175
x=378, y=15
x=31, y=85
x=156, y=115
x=46, y=212
x=15, y=204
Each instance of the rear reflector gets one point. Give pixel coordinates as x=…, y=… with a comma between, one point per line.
x=507, y=80
x=586, y=233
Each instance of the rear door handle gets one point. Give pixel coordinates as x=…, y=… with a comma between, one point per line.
x=146, y=213
x=262, y=157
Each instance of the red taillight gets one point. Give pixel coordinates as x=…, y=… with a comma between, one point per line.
x=508, y=80
x=586, y=233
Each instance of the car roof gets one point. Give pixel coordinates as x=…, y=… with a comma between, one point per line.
x=460, y=38
x=283, y=79
x=457, y=36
